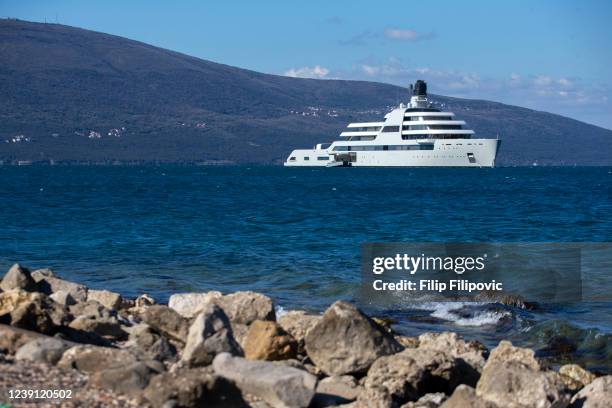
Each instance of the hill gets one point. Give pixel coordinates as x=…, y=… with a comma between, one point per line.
x=75, y=95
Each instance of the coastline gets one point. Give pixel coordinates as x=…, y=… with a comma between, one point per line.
x=234, y=349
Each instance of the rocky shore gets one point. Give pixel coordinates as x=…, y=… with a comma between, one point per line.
x=233, y=350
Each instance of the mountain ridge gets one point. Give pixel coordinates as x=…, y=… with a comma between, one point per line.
x=74, y=95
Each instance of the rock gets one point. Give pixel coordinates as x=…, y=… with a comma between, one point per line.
x=191, y=304
x=145, y=339
x=297, y=323
x=39, y=274
x=408, y=375
x=144, y=300
x=51, y=285
x=597, y=394
x=195, y=387
x=465, y=396
x=43, y=350
x=512, y=377
x=346, y=341
x=110, y=300
x=12, y=338
x=31, y=311
x=575, y=377
x=336, y=390
x=106, y=327
x=166, y=321
x=139, y=305
x=246, y=307
x=18, y=277
x=406, y=341
x=372, y=398
x=266, y=340
x=240, y=332
x=505, y=352
x=63, y=298
x=209, y=334
x=90, y=359
x=276, y=384
x=433, y=400
x=127, y=379
x=472, y=352
x=90, y=309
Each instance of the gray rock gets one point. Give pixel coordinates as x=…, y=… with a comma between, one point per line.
x=297, y=323
x=12, y=338
x=18, y=277
x=43, y=350
x=106, y=327
x=246, y=307
x=408, y=375
x=240, y=332
x=465, y=396
x=51, y=285
x=110, y=300
x=512, y=377
x=63, y=298
x=196, y=387
x=471, y=352
x=336, y=390
x=276, y=384
x=90, y=359
x=156, y=346
x=433, y=400
x=506, y=352
x=597, y=394
x=39, y=274
x=128, y=379
x=209, y=334
x=144, y=300
x=91, y=309
x=346, y=341
x=166, y=321
x=191, y=304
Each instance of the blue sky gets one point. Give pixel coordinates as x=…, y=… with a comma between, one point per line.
x=543, y=54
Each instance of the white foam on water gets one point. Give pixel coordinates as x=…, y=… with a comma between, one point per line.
x=478, y=319
x=446, y=311
x=280, y=311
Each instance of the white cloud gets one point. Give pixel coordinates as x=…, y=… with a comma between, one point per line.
x=370, y=70
x=317, y=71
x=407, y=34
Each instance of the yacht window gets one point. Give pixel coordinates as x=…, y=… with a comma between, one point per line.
x=388, y=129
x=342, y=148
x=428, y=146
x=292, y=158
x=362, y=138
x=445, y=126
x=363, y=129
x=306, y=158
x=323, y=158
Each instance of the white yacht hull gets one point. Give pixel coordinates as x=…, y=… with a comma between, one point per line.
x=445, y=153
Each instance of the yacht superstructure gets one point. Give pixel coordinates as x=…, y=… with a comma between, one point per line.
x=412, y=136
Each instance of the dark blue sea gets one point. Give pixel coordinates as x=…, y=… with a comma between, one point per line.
x=295, y=234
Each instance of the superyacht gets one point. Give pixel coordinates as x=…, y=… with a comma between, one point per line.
x=416, y=135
